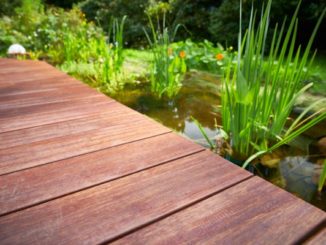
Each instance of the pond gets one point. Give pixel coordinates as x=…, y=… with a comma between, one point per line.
x=292, y=167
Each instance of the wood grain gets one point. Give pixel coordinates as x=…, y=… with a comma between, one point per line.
x=13, y=64
x=119, y=129
x=22, y=67
x=29, y=76
x=318, y=239
x=46, y=97
x=78, y=167
x=109, y=210
x=252, y=212
x=61, y=129
x=25, y=188
x=36, y=115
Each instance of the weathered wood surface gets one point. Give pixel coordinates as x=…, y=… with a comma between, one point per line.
x=319, y=238
x=25, y=188
x=253, y=212
x=78, y=167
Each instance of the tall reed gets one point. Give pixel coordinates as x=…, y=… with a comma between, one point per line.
x=256, y=104
x=166, y=69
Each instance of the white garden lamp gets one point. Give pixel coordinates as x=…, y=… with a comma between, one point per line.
x=16, y=49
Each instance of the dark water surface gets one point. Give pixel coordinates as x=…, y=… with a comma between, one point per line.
x=292, y=167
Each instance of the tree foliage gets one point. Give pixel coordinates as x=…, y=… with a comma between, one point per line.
x=224, y=21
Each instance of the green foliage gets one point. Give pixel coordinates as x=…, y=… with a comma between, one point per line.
x=214, y=20
x=256, y=104
x=224, y=20
x=7, y=7
x=106, y=60
x=195, y=16
x=167, y=69
x=67, y=39
x=203, y=55
x=100, y=11
x=322, y=177
x=62, y=3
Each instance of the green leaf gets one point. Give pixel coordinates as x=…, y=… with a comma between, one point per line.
x=322, y=177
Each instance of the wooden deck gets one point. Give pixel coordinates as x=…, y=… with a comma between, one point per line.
x=77, y=167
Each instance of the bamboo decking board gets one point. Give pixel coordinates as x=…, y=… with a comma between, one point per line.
x=78, y=167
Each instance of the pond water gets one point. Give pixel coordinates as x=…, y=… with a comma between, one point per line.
x=291, y=167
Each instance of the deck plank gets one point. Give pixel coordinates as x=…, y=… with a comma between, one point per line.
x=46, y=97
x=78, y=167
x=8, y=65
x=36, y=115
x=13, y=69
x=252, y=212
x=112, y=131
x=29, y=76
x=64, y=128
x=36, y=185
x=318, y=239
x=104, y=212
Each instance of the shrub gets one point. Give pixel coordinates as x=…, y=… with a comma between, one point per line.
x=101, y=11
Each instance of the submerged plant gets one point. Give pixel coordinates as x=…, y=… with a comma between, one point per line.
x=167, y=70
x=259, y=90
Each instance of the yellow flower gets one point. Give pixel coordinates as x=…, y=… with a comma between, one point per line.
x=182, y=54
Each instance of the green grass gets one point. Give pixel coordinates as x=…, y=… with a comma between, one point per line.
x=142, y=56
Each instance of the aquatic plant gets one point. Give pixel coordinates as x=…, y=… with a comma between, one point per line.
x=322, y=177
x=167, y=70
x=257, y=102
x=116, y=43
x=204, y=55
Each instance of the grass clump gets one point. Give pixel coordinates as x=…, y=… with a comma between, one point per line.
x=259, y=89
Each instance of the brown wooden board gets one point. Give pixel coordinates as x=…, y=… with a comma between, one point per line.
x=36, y=115
x=29, y=76
x=45, y=97
x=56, y=83
x=12, y=68
x=25, y=188
x=122, y=128
x=252, y=212
x=319, y=238
x=70, y=127
x=14, y=65
x=26, y=69
x=107, y=211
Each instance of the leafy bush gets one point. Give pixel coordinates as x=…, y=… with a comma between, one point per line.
x=101, y=11
x=7, y=7
x=67, y=39
x=224, y=20
x=203, y=55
